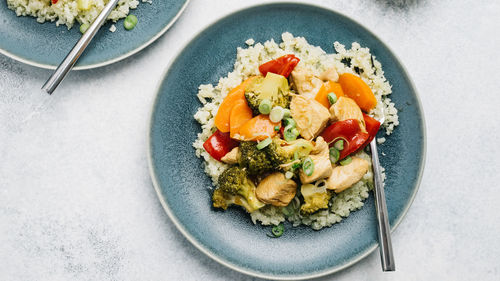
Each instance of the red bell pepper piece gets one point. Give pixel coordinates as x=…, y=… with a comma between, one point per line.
x=349, y=131
x=282, y=65
x=372, y=126
x=219, y=144
x=54, y=1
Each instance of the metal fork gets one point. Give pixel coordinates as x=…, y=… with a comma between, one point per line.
x=75, y=53
x=384, y=233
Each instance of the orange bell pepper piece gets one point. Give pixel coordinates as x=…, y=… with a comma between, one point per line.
x=356, y=89
x=258, y=128
x=326, y=88
x=233, y=97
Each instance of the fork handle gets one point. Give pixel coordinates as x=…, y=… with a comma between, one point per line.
x=75, y=53
x=384, y=233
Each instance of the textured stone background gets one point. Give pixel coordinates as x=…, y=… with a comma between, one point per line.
x=76, y=200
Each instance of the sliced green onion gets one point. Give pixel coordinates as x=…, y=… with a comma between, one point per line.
x=332, y=98
x=296, y=165
x=287, y=113
x=288, y=210
x=290, y=122
x=265, y=106
x=264, y=143
x=339, y=145
x=308, y=166
x=84, y=27
x=290, y=133
x=276, y=128
x=130, y=22
x=334, y=155
x=346, y=161
x=277, y=230
x=288, y=175
x=276, y=114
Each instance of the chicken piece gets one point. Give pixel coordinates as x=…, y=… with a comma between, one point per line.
x=343, y=177
x=276, y=190
x=346, y=108
x=305, y=82
x=330, y=75
x=322, y=165
x=232, y=157
x=310, y=115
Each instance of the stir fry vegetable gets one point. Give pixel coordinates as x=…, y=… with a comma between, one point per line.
x=350, y=132
x=346, y=161
x=263, y=144
x=334, y=155
x=339, y=145
x=277, y=114
x=372, y=127
x=308, y=166
x=277, y=231
x=240, y=114
x=233, y=97
x=258, y=128
x=130, y=22
x=219, y=144
x=265, y=106
x=290, y=133
x=327, y=89
x=355, y=88
x=84, y=27
x=236, y=188
x=256, y=161
x=283, y=65
x=272, y=90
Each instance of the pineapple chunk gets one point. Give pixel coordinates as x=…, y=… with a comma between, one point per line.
x=84, y=5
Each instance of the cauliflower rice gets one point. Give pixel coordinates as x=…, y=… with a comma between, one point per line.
x=356, y=60
x=67, y=11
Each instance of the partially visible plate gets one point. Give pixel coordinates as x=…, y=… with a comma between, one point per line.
x=230, y=237
x=45, y=45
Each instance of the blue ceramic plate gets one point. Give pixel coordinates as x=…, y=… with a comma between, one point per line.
x=230, y=237
x=46, y=45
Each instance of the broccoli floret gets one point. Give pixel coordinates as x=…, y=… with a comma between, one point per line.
x=315, y=198
x=273, y=87
x=254, y=160
x=281, y=152
x=236, y=188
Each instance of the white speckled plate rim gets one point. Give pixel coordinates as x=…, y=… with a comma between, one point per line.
x=235, y=267
x=104, y=63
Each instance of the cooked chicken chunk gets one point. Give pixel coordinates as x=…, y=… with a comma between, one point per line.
x=322, y=165
x=232, y=156
x=343, y=177
x=346, y=108
x=305, y=82
x=310, y=115
x=276, y=190
x=330, y=75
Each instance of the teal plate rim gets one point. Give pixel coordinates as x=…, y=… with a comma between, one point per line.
x=237, y=268
x=107, y=62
